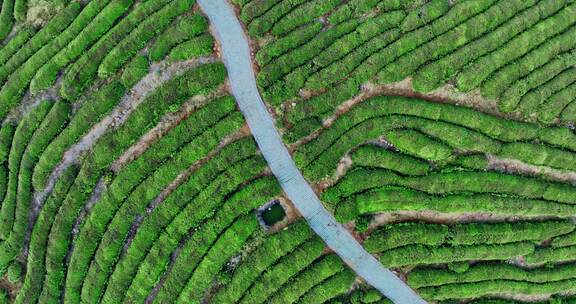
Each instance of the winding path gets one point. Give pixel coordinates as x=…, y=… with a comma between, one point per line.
x=236, y=56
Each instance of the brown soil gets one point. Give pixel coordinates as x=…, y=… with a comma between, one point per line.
x=518, y=167
x=166, y=124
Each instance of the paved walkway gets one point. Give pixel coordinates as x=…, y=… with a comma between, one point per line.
x=236, y=56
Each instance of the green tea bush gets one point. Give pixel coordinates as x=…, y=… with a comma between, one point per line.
x=15, y=44
x=286, y=43
x=530, y=103
x=540, y=155
x=394, y=236
x=480, y=70
x=228, y=244
x=512, y=95
x=139, y=37
x=110, y=246
x=286, y=63
x=264, y=23
x=308, y=282
x=421, y=255
x=549, y=50
x=15, y=217
x=455, y=38
x=152, y=226
x=92, y=28
x=14, y=272
x=432, y=75
x=556, y=103
x=135, y=71
x=131, y=190
x=283, y=271
x=424, y=15
x=303, y=14
x=191, y=216
x=35, y=265
x=184, y=29
x=334, y=286
x=20, y=69
x=377, y=157
x=493, y=287
x=426, y=276
x=81, y=73
x=568, y=239
x=93, y=110
x=255, y=8
x=551, y=255
x=6, y=18
x=22, y=136
x=274, y=247
x=199, y=46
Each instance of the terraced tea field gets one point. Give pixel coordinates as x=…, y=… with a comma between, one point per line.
x=413, y=151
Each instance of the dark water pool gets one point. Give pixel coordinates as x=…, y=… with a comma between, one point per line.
x=273, y=214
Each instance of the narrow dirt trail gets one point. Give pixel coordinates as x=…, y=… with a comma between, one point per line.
x=159, y=73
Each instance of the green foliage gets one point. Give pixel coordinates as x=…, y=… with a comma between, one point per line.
x=35, y=265
x=427, y=276
x=201, y=208
x=6, y=18
x=274, y=247
x=255, y=8
x=98, y=105
x=332, y=287
x=22, y=136
x=568, y=239
x=15, y=43
x=153, y=225
x=485, y=66
x=134, y=71
x=139, y=37
x=94, y=20
x=319, y=273
x=264, y=23
x=421, y=255
x=540, y=155
x=129, y=193
x=395, y=236
x=286, y=63
x=184, y=29
x=424, y=15
x=556, y=103
x=373, y=156
x=199, y=46
x=227, y=245
x=302, y=14
x=284, y=44
x=20, y=69
x=487, y=288
x=551, y=255
x=417, y=144
x=512, y=96
x=285, y=269
x=530, y=103
x=81, y=73
x=15, y=210
x=453, y=39
x=495, y=86
x=14, y=272
x=20, y=9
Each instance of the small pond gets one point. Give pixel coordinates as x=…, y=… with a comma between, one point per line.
x=273, y=214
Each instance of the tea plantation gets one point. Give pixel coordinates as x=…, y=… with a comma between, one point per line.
x=440, y=133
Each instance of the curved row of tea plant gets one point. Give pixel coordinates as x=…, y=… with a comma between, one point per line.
x=338, y=46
